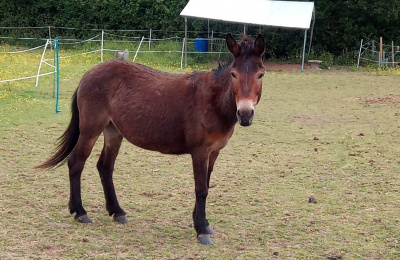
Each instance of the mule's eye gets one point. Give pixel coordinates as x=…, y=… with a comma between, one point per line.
x=260, y=76
x=233, y=75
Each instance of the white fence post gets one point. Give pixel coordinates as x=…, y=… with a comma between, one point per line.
x=150, y=39
x=102, y=45
x=183, y=49
x=140, y=44
x=40, y=64
x=359, y=54
x=50, y=38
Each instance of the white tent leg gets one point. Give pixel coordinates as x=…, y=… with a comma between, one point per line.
x=185, y=42
x=304, y=50
x=312, y=31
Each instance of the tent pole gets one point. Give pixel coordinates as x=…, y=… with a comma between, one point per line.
x=185, y=42
x=304, y=50
x=208, y=28
x=312, y=30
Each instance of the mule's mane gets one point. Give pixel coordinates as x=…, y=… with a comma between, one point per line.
x=222, y=67
x=246, y=45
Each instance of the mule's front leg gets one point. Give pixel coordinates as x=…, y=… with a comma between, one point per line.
x=201, y=175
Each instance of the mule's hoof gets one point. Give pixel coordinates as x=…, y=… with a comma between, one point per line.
x=83, y=219
x=205, y=239
x=121, y=219
x=209, y=230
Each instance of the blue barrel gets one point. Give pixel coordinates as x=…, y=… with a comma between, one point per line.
x=201, y=44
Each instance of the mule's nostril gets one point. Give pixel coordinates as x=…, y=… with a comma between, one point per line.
x=245, y=116
x=245, y=113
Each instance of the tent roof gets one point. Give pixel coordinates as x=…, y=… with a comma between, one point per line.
x=287, y=14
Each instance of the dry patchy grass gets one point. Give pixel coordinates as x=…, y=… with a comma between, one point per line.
x=330, y=136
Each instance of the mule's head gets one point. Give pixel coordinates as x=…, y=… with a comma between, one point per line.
x=247, y=71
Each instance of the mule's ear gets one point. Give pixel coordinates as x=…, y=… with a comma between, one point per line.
x=259, y=45
x=233, y=46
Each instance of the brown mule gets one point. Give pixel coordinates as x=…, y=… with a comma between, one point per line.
x=193, y=113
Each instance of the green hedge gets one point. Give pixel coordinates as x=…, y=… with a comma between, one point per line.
x=338, y=29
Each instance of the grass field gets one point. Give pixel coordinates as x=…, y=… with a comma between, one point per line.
x=315, y=177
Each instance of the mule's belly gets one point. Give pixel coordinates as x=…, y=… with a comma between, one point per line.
x=155, y=137
x=152, y=124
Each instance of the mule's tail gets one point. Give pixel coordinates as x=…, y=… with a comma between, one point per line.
x=67, y=141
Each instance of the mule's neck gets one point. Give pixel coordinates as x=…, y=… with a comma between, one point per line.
x=224, y=98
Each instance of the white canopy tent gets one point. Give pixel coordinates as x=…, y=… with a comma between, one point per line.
x=283, y=14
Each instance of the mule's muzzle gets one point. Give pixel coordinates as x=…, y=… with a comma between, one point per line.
x=245, y=116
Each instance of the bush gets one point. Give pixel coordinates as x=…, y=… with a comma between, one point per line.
x=327, y=60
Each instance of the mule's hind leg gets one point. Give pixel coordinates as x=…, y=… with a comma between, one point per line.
x=105, y=165
x=76, y=164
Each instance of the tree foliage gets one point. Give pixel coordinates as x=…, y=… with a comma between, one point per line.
x=339, y=24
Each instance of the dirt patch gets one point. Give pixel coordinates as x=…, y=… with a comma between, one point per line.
x=372, y=100
x=277, y=66
x=284, y=66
